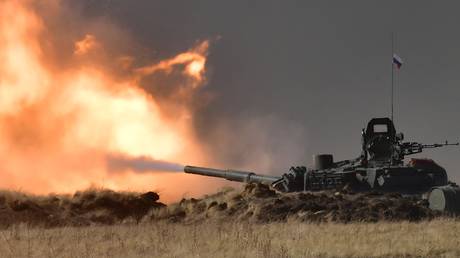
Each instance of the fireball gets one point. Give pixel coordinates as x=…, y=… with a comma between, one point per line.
x=58, y=124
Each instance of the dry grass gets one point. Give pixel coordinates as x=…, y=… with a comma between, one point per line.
x=254, y=203
x=84, y=208
x=259, y=203
x=437, y=238
x=252, y=222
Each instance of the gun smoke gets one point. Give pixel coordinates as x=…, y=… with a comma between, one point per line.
x=141, y=164
x=91, y=88
x=89, y=91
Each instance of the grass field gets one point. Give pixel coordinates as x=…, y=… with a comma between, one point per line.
x=437, y=238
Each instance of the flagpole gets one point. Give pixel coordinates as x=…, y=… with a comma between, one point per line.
x=392, y=74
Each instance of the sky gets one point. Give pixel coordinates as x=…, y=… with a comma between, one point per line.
x=290, y=79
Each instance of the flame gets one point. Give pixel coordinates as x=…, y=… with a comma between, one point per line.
x=58, y=124
x=85, y=45
x=194, y=61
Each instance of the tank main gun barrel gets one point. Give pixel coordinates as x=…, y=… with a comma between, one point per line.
x=232, y=175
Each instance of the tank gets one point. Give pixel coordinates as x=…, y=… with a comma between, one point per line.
x=382, y=166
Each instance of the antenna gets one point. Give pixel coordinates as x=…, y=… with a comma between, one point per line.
x=392, y=73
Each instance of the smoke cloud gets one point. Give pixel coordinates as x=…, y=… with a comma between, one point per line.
x=142, y=164
x=265, y=144
x=75, y=92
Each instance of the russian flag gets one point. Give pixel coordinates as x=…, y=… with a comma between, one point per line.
x=397, y=61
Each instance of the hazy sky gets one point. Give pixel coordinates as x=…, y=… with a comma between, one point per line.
x=310, y=73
